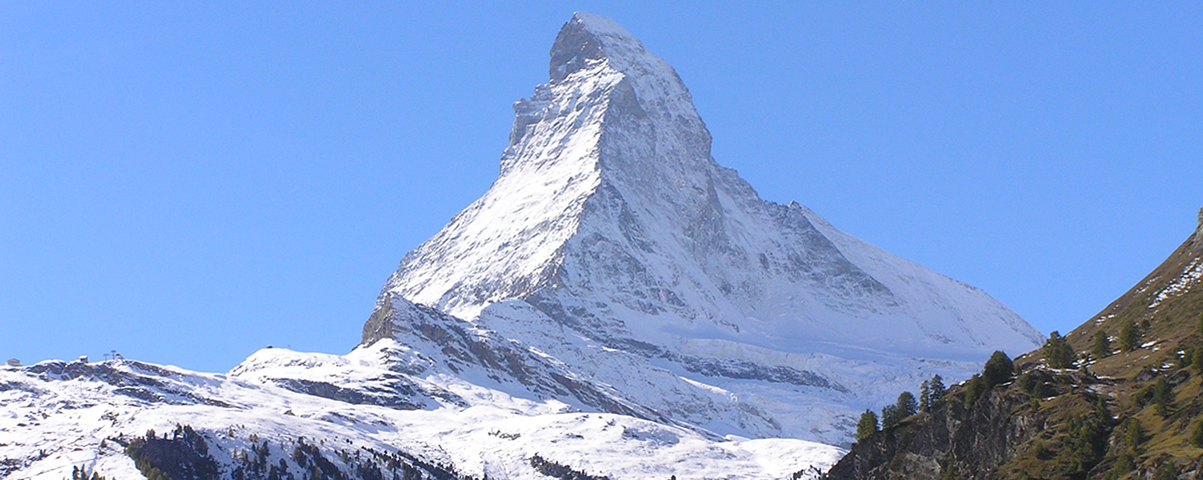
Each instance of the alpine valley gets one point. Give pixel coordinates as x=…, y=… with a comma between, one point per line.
x=617, y=305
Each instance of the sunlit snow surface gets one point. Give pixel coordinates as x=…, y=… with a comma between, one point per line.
x=49, y=424
x=613, y=242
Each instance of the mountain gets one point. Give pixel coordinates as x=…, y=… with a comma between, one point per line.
x=617, y=305
x=611, y=236
x=1123, y=409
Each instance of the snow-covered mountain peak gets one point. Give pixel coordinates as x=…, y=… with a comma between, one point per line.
x=588, y=41
x=570, y=151
x=612, y=233
x=610, y=215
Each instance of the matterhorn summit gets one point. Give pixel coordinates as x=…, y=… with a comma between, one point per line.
x=611, y=233
x=617, y=305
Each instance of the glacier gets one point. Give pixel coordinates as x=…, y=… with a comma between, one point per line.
x=617, y=302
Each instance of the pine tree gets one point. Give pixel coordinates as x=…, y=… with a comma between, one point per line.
x=1102, y=346
x=1163, y=396
x=889, y=417
x=867, y=425
x=1057, y=352
x=937, y=389
x=998, y=369
x=1129, y=336
x=974, y=388
x=906, y=405
x=924, y=396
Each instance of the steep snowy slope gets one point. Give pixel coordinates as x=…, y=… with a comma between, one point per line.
x=608, y=194
x=611, y=220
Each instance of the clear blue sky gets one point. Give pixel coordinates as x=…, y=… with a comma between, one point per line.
x=188, y=183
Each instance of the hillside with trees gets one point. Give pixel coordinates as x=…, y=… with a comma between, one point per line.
x=1119, y=397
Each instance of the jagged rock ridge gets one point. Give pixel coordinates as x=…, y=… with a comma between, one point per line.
x=610, y=221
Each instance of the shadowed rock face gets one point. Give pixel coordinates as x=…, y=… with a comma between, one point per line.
x=574, y=47
x=966, y=443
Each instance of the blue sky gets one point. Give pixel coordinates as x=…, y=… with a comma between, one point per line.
x=188, y=183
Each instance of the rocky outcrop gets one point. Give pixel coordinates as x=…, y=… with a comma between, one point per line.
x=950, y=439
x=1046, y=424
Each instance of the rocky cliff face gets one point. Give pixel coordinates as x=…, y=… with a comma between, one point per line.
x=979, y=440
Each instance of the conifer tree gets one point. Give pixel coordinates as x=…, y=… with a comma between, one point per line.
x=924, y=396
x=1102, y=345
x=998, y=369
x=974, y=388
x=906, y=405
x=1163, y=396
x=867, y=425
x=937, y=389
x=1057, y=352
x=889, y=417
x=1129, y=336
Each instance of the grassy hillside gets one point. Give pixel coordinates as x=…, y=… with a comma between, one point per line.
x=1128, y=408
x=1164, y=313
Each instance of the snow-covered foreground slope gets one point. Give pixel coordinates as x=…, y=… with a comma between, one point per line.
x=56, y=416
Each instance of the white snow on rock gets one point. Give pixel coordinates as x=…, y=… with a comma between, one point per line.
x=57, y=416
x=612, y=232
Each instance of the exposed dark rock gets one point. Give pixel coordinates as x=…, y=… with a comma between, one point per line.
x=745, y=370
x=562, y=472
x=182, y=456
x=950, y=439
x=380, y=324
x=574, y=48
x=398, y=398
